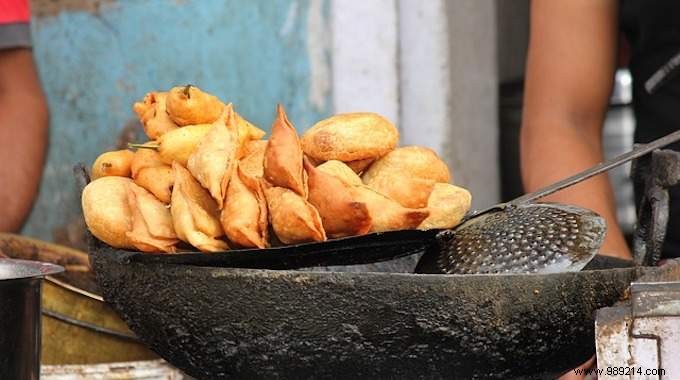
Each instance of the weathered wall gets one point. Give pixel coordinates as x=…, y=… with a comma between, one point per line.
x=449, y=88
x=97, y=57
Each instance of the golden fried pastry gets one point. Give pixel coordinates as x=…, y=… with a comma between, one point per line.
x=152, y=229
x=151, y=173
x=341, y=171
x=115, y=163
x=410, y=192
x=448, y=205
x=212, y=162
x=409, y=161
x=188, y=105
x=293, y=219
x=158, y=180
x=153, y=115
x=350, y=137
x=244, y=217
x=246, y=132
x=107, y=212
x=283, y=156
x=145, y=158
x=386, y=213
x=359, y=166
x=341, y=214
x=252, y=162
x=179, y=144
x=194, y=213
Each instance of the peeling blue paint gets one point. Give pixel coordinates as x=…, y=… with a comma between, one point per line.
x=94, y=66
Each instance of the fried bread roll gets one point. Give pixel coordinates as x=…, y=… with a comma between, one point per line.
x=409, y=161
x=188, y=105
x=293, y=219
x=115, y=163
x=340, y=170
x=194, y=213
x=244, y=217
x=341, y=214
x=151, y=173
x=386, y=213
x=447, y=204
x=283, y=156
x=107, y=212
x=153, y=115
x=350, y=137
x=212, y=161
x=152, y=229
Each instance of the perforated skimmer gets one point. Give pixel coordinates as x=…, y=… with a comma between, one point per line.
x=524, y=237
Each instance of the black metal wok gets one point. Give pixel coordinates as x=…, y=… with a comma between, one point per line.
x=222, y=323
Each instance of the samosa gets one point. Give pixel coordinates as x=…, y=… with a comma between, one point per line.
x=386, y=213
x=213, y=160
x=293, y=219
x=244, y=216
x=283, y=156
x=152, y=229
x=252, y=162
x=247, y=132
x=341, y=213
x=194, y=213
x=448, y=205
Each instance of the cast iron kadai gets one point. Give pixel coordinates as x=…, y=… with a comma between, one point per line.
x=219, y=323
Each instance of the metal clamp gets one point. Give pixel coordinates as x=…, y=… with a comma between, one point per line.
x=652, y=176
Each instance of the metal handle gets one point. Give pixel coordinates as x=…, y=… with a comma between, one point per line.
x=598, y=169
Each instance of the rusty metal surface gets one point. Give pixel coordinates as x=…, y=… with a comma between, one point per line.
x=218, y=323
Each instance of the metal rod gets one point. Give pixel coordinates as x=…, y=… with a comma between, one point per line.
x=599, y=168
x=90, y=326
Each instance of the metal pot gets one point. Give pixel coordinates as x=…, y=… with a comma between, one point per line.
x=20, y=288
x=77, y=326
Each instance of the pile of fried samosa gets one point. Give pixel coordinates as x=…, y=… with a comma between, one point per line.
x=208, y=180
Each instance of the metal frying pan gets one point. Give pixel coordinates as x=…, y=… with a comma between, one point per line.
x=217, y=323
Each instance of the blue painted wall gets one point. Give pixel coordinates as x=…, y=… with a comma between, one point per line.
x=95, y=63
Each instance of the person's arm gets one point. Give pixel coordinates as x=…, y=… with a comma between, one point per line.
x=23, y=136
x=570, y=71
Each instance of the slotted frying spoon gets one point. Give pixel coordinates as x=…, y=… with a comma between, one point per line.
x=520, y=236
